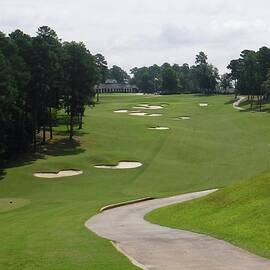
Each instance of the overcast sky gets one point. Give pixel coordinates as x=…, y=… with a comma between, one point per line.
x=143, y=32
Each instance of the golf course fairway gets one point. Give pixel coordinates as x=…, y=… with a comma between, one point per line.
x=217, y=147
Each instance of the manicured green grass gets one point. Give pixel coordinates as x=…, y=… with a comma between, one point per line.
x=9, y=204
x=238, y=214
x=216, y=147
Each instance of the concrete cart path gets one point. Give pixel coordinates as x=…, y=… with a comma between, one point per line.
x=238, y=102
x=153, y=247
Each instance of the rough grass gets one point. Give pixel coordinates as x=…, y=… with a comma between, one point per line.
x=217, y=147
x=238, y=214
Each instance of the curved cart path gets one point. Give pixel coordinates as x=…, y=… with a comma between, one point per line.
x=238, y=102
x=154, y=247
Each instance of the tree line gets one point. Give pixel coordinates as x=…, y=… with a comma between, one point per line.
x=248, y=75
x=251, y=74
x=201, y=77
x=39, y=76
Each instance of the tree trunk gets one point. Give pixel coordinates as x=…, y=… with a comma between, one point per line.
x=34, y=139
x=98, y=97
x=34, y=130
x=80, y=120
x=50, y=123
x=252, y=100
x=71, y=130
x=44, y=133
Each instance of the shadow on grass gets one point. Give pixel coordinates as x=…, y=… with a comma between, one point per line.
x=230, y=102
x=60, y=147
x=77, y=133
x=18, y=160
x=256, y=107
x=2, y=174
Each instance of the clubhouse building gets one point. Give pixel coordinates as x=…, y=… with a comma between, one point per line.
x=112, y=86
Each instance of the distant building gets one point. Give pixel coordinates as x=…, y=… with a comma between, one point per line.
x=112, y=86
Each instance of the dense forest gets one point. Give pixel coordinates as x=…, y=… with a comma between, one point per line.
x=201, y=77
x=40, y=76
x=249, y=75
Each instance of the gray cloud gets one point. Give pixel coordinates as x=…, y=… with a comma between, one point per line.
x=143, y=32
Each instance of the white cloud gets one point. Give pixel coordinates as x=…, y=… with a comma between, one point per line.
x=143, y=32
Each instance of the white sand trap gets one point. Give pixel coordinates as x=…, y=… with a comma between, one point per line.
x=159, y=128
x=155, y=114
x=122, y=165
x=138, y=114
x=203, y=104
x=121, y=111
x=64, y=173
x=148, y=107
x=154, y=107
x=182, y=118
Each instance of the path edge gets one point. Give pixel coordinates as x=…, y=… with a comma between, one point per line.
x=133, y=261
x=116, y=205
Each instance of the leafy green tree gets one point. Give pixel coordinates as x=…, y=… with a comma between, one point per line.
x=226, y=81
x=201, y=59
x=46, y=76
x=7, y=107
x=81, y=75
x=266, y=85
x=169, y=79
x=206, y=75
x=102, y=66
x=103, y=70
x=118, y=74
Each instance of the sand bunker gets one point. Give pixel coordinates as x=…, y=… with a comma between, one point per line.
x=138, y=113
x=203, y=104
x=179, y=118
x=121, y=111
x=122, y=165
x=148, y=107
x=64, y=173
x=159, y=128
x=154, y=114
x=141, y=113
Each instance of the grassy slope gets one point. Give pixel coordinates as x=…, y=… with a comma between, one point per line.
x=218, y=146
x=239, y=214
